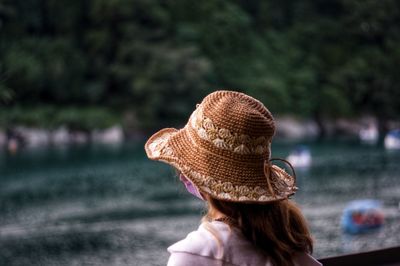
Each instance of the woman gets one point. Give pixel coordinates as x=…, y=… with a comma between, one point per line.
x=223, y=156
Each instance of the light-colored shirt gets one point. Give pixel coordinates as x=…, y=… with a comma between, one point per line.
x=226, y=247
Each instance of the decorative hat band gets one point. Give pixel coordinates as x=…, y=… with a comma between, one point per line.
x=279, y=183
x=224, y=138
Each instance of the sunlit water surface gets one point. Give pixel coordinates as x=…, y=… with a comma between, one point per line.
x=109, y=205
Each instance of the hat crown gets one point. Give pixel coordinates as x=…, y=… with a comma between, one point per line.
x=234, y=122
x=239, y=113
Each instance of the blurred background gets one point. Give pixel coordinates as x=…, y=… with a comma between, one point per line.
x=84, y=83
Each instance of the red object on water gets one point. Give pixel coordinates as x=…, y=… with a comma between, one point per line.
x=369, y=218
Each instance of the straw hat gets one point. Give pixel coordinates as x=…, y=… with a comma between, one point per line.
x=224, y=149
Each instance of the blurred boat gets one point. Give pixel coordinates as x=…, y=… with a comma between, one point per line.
x=392, y=139
x=300, y=157
x=369, y=134
x=361, y=216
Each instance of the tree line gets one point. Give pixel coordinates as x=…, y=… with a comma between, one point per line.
x=146, y=63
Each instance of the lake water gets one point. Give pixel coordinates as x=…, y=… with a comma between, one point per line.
x=109, y=205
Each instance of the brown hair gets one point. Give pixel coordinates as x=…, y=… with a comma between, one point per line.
x=278, y=229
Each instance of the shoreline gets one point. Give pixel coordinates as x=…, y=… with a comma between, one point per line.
x=287, y=127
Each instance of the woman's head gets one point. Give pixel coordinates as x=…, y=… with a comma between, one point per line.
x=225, y=150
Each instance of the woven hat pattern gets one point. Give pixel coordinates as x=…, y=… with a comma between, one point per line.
x=224, y=149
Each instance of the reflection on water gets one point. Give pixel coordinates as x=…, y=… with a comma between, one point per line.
x=109, y=205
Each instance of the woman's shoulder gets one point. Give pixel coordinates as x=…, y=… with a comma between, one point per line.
x=201, y=242
x=219, y=242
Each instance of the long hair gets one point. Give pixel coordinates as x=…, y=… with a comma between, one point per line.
x=278, y=229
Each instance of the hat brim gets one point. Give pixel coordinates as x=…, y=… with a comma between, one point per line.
x=175, y=148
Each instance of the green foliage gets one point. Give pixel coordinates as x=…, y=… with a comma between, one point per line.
x=85, y=118
x=51, y=117
x=156, y=59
